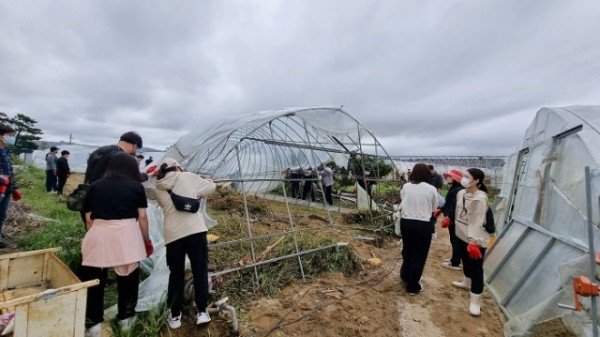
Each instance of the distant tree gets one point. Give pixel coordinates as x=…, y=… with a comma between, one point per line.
x=25, y=132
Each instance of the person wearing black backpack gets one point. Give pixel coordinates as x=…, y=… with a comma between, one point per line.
x=473, y=237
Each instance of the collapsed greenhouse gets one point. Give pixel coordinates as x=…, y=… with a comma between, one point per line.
x=542, y=216
x=256, y=155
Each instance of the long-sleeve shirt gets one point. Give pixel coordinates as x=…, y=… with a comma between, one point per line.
x=50, y=161
x=62, y=167
x=6, y=168
x=471, y=209
x=327, y=176
x=449, y=208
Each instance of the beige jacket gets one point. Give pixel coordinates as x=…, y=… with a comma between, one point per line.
x=179, y=224
x=469, y=219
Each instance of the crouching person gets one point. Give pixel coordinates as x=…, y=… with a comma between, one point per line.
x=117, y=237
x=179, y=194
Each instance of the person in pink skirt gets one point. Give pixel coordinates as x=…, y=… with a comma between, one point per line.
x=117, y=237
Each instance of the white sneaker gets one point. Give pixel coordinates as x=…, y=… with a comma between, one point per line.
x=450, y=266
x=174, y=322
x=94, y=331
x=127, y=323
x=202, y=318
x=464, y=284
x=420, y=291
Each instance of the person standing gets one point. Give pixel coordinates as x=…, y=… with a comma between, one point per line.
x=471, y=209
x=453, y=178
x=63, y=172
x=117, y=237
x=327, y=181
x=436, y=179
x=295, y=178
x=8, y=185
x=51, y=186
x=185, y=234
x=307, y=189
x=149, y=160
x=419, y=201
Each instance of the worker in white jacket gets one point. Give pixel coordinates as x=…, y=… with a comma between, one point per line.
x=185, y=234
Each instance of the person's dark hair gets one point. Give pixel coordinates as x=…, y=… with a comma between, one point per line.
x=63, y=152
x=430, y=166
x=132, y=137
x=123, y=166
x=4, y=129
x=420, y=174
x=478, y=174
x=140, y=156
x=163, y=170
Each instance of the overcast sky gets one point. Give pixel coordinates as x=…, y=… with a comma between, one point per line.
x=428, y=77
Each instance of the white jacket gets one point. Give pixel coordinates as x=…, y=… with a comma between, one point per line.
x=469, y=219
x=179, y=224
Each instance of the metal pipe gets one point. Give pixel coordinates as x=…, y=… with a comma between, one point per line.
x=508, y=255
x=590, y=220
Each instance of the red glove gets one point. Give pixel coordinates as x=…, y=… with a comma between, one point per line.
x=152, y=170
x=474, y=251
x=4, y=182
x=149, y=247
x=446, y=222
x=17, y=195
x=437, y=213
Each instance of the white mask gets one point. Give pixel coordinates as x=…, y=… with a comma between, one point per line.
x=9, y=140
x=464, y=181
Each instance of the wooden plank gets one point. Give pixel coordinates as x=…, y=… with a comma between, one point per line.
x=53, y=317
x=80, y=313
x=25, y=271
x=29, y=253
x=4, y=264
x=21, y=320
x=59, y=275
x=48, y=294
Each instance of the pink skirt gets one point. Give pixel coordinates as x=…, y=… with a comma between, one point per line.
x=113, y=243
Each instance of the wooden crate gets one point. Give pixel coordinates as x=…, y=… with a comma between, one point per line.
x=47, y=298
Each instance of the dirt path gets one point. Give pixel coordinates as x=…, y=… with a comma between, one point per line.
x=374, y=303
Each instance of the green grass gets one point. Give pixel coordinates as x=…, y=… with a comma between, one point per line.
x=66, y=231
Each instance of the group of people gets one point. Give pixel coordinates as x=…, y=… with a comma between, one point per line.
x=465, y=208
x=57, y=170
x=306, y=178
x=116, y=220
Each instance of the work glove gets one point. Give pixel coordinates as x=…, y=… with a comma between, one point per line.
x=17, y=195
x=446, y=222
x=437, y=213
x=4, y=180
x=152, y=170
x=149, y=247
x=474, y=251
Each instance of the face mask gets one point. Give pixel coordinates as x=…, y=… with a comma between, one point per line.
x=465, y=182
x=9, y=140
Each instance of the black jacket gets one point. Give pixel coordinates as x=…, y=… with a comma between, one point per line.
x=449, y=208
x=98, y=162
x=62, y=167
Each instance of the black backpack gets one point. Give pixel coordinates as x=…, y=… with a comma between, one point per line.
x=489, y=225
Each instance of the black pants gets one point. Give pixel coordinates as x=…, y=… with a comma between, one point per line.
x=455, y=259
x=308, y=188
x=61, y=184
x=50, y=181
x=416, y=240
x=127, y=290
x=295, y=193
x=195, y=247
x=472, y=269
x=328, y=196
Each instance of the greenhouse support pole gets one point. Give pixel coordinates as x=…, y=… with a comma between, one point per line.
x=247, y=213
x=287, y=206
x=588, y=194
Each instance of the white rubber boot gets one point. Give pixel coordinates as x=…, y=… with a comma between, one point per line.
x=94, y=331
x=464, y=284
x=474, y=307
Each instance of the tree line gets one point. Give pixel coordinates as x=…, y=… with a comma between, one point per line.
x=26, y=132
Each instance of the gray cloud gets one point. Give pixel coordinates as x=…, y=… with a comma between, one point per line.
x=444, y=77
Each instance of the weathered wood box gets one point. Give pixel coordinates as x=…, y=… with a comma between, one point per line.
x=47, y=298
